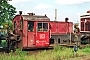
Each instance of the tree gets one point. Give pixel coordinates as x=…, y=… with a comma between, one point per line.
x=7, y=12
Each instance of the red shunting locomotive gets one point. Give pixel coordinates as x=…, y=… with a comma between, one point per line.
x=33, y=30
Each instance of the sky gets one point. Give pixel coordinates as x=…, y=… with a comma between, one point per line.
x=65, y=8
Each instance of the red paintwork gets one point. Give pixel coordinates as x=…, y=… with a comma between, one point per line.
x=61, y=27
x=24, y=39
x=70, y=27
x=85, y=24
x=39, y=39
x=42, y=39
x=53, y=26
x=17, y=19
x=31, y=39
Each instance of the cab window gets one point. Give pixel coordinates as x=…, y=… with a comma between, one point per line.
x=42, y=27
x=30, y=26
x=21, y=24
x=45, y=26
x=39, y=27
x=14, y=24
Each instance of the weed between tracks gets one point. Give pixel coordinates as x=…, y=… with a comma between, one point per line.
x=58, y=53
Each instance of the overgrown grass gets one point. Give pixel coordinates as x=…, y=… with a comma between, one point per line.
x=86, y=49
x=58, y=53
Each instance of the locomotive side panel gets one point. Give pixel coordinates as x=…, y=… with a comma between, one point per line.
x=70, y=27
x=85, y=24
x=82, y=24
x=53, y=27
x=25, y=34
x=62, y=27
x=42, y=39
x=16, y=24
x=66, y=39
x=58, y=27
x=18, y=30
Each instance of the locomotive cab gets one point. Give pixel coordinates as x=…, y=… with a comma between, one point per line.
x=38, y=34
x=33, y=31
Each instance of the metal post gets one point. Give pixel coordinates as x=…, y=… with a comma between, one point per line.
x=70, y=37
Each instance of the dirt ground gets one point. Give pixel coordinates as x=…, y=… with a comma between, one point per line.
x=80, y=58
x=86, y=58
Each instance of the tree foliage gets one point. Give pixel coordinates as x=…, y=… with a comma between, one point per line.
x=7, y=12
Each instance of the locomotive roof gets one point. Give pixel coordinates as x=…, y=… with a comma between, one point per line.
x=35, y=17
x=86, y=15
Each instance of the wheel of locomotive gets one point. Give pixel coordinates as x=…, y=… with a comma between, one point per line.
x=84, y=39
x=11, y=46
x=8, y=46
x=51, y=41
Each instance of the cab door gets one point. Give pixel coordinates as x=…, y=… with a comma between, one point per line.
x=31, y=34
x=42, y=38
